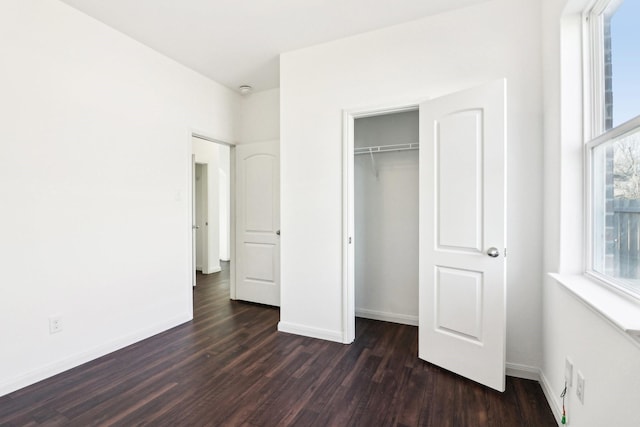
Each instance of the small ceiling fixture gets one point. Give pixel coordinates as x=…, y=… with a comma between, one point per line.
x=245, y=89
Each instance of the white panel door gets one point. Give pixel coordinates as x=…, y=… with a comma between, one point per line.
x=462, y=307
x=193, y=220
x=258, y=223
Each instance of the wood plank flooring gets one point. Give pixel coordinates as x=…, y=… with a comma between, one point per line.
x=230, y=367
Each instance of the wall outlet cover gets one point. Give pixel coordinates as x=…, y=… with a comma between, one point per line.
x=580, y=387
x=568, y=372
x=55, y=324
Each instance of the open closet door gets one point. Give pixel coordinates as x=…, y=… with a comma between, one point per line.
x=258, y=223
x=462, y=279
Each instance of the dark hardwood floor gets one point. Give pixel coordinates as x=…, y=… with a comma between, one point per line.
x=230, y=367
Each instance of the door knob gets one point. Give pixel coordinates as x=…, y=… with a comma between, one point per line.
x=278, y=232
x=195, y=227
x=493, y=252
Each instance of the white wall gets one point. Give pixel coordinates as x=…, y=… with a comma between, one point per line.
x=422, y=59
x=208, y=153
x=609, y=360
x=260, y=116
x=386, y=220
x=95, y=183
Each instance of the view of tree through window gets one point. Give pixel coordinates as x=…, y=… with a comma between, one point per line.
x=626, y=168
x=616, y=162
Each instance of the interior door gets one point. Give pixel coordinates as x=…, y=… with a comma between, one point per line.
x=462, y=290
x=258, y=223
x=193, y=220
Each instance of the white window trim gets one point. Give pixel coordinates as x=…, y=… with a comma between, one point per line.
x=593, y=53
x=593, y=114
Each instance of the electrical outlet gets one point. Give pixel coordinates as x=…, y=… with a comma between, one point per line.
x=580, y=387
x=568, y=372
x=55, y=324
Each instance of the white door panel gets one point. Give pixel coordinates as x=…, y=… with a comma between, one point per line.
x=462, y=214
x=260, y=193
x=459, y=302
x=258, y=223
x=459, y=162
x=259, y=262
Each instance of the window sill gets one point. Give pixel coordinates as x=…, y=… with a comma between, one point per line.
x=621, y=312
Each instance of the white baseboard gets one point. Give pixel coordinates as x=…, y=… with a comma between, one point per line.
x=78, y=359
x=213, y=270
x=523, y=371
x=387, y=317
x=553, y=397
x=308, y=331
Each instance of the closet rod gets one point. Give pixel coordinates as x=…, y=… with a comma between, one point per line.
x=386, y=148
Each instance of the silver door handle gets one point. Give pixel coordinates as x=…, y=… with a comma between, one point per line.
x=493, y=252
x=195, y=227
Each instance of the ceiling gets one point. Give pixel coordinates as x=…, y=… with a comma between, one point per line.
x=236, y=42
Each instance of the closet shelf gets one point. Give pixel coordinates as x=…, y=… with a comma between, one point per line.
x=386, y=148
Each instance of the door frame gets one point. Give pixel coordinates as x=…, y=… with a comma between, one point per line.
x=192, y=133
x=348, y=205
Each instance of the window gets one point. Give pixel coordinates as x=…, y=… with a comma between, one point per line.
x=613, y=152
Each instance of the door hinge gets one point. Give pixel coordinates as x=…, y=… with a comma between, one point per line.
x=505, y=252
x=349, y=240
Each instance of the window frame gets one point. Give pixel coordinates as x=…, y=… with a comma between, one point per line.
x=595, y=132
x=594, y=108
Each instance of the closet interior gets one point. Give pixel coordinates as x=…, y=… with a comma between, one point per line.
x=386, y=217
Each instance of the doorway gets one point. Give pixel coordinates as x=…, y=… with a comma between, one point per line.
x=212, y=204
x=386, y=170
x=349, y=204
x=242, y=221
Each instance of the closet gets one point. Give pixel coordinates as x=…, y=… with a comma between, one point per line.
x=386, y=217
